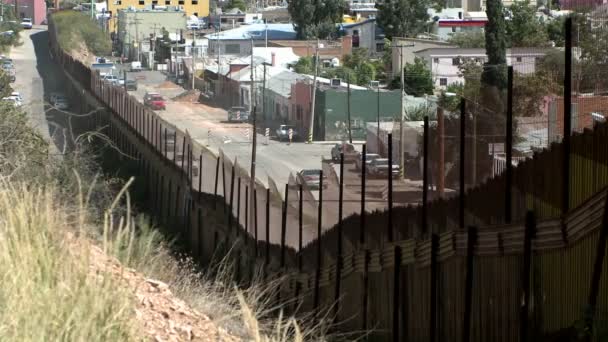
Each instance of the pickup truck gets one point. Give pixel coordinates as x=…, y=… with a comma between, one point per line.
x=154, y=101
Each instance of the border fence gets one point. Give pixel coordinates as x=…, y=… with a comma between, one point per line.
x=519, y=257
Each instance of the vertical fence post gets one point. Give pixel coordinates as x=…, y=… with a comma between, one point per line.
x=362, y=212
x=300, y=226
x=468, y=284
x=567, y=117
x=509, y=146
x=463, y=118
x=425, y=176
x=169, y=201
x=217, y=177
x=246, y=210
x=390, y=188
x=200, y=177
x=183, y=157
x=396, y=289
x=238, y=206
x=199, y=234
x=596, y=277
x=339, y=246
x=255, y=223
x=231, y=200
x=284, y=225
x=365, y=301
x=523, y=313
x=160, y=199
x=267, y=252
x=316, y=295
x=434, y=272
x=174, y=146
x=224, y=184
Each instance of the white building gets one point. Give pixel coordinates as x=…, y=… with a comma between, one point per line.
x=444, y=62
x=237, y=42
x=366, y=34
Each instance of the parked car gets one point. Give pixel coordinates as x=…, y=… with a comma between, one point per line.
x=136, y=66
x=12, y=99
x=194, y=26
x=17, y=95
x=283, y=133
x=368, y=159
x=350, y=154
x=238, y=114
x=113, y=79
x=131, y=85
x=379, y=167
x=11, y=74
x=26, y=23
x=155, y=101
x=62, y=103
x=311, y=178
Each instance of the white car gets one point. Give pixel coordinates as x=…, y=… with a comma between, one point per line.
x=26, y=23
x=113, y=79
x=16, y=95
x=14, y=100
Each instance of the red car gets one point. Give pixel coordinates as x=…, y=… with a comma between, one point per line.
x=154, y=101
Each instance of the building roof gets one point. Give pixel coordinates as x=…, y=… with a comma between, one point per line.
x=284, y=56
x=257, y=32
x=281, y=82
x=244, y=75
x=456, y=51
x=360, y=23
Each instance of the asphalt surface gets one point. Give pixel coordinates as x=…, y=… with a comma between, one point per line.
x=29, y=84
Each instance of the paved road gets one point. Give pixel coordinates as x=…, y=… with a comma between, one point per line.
x=30, y=84
x=206, y=125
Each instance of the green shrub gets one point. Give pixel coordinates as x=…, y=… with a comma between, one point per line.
x=74, y=28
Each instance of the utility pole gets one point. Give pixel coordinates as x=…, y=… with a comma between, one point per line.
x=264, y=92
x=402, y=117
x=314, y=92
x=251, y=68
x=253, y=144
x=378, y=118
x=193, y=70
x=350, y=136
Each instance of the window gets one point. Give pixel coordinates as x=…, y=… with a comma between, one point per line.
x=436, y=60
x=456, y=61
x=154, y=2
x=195, y=14
x=453, y=29
x=118, y=2
x=167, y=2
x=180, y=2
x=142, y=2
x=518, y=59
x=232, y=49
x=195, y=2
x=443, y=81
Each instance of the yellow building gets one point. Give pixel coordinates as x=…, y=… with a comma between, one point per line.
x=199, y=8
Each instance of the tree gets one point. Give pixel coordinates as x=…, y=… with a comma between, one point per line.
x=403, y=18
x=524, y=29
x=555, y=31
x=473, y=39
x=416, y=77
x=496, y=47
x=316, y=18
x=240, y=4
x=305, y=65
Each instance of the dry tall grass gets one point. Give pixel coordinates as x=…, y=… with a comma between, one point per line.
x=47, y=292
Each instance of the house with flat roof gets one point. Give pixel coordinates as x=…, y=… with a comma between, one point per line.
x=238, y=42
x=444, y=62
